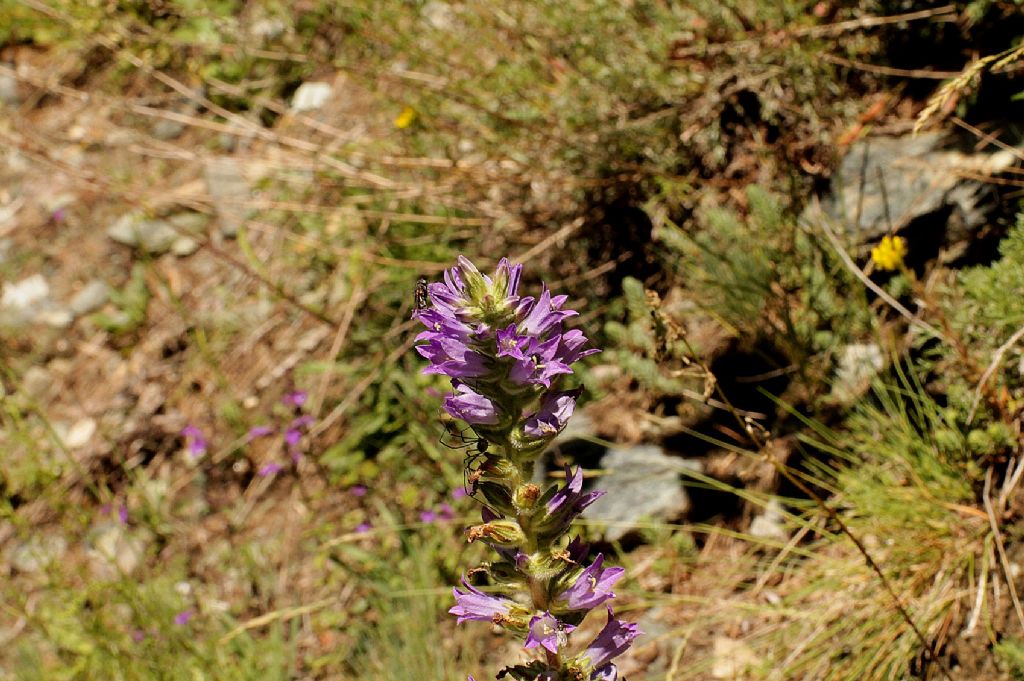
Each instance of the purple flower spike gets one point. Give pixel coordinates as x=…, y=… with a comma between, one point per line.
x=613, y=640
x=183, y=617
x=547, y=632
x=476, y=605
x=592, y=587
x=471, y=406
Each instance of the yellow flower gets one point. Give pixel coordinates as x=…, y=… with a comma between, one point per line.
x=405, y=119
x=889, y=254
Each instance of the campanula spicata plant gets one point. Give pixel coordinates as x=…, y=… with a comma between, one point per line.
x=506, y=356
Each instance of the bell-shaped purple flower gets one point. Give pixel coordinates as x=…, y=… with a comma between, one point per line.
x=476, y=605
x=555, y=411
x=538, y=363
x=546, y=631
x=545, y=315
x=470, y=406
x=593, y=586
x=565, y=505
x=613, y=640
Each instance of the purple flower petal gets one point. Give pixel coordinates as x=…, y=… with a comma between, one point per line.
x=362, y=528
x=471, y=406
x=592, y=587
x=445, y=511
x=613, y=640
x=183, y=617
x=122, y=514
x=357, y=490
x=296, y=398
x=292, y=436
x=476, y=605
x=459, y=493
x=427, y=516
x=555, y=411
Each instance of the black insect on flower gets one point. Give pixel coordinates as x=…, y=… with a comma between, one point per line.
x=422, y=300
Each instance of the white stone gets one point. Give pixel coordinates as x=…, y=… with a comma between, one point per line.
x=92, y=297
x=26, y=293
x=311, y=96
x=80, y=433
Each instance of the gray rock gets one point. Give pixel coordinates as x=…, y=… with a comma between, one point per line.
x=56, y=316
x=168, y=129
x=22, y=302
x=859, y=363
x=38, y=552
x=641, y=483
x=36, y=382
x=92, y=297
x=113, y=550
x=769, y=525
x=9, y=90
x=227, y=184
x=896, y=179
x=190, y=221
x=152, y=236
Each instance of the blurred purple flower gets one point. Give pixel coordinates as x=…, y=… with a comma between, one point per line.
x=296, y=398
x=194, y=438
x=122, y=514
x=292, y=436
x=138, y=635
x=427, y=516
x=459, y=493
x=270, y=469
x=183, y=617
x=362, y=528
x=445, y=511
x=59, y=215
x=357, y=490
x=258, y=432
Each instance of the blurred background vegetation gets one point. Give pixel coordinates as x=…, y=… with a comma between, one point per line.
x=208, y=207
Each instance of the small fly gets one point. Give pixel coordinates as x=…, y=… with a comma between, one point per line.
x=422, y=300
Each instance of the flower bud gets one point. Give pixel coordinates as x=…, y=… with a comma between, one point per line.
x=500, y=533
